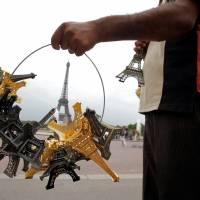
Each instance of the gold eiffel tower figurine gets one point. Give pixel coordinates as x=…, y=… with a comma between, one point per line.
x=8, y=83
x=76, y=135
x=12, y=82
x=82, y=141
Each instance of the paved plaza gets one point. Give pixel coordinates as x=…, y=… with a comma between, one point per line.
x=94, y=184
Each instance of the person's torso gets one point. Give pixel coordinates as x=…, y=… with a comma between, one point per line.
x=170, y=75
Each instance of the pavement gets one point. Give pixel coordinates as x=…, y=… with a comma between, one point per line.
x=94, y=183
x=82, y=190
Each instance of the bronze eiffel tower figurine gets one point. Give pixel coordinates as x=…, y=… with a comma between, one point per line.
x=132, y=71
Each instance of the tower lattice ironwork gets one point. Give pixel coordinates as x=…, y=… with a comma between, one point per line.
x=63, y=114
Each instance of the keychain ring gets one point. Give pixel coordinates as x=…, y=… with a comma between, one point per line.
x=93, y=64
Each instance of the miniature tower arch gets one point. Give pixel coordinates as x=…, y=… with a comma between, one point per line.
x=63, y=108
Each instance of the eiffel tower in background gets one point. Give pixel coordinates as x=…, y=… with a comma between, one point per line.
x=63, y=108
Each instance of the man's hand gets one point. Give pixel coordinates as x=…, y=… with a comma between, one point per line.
x=141, y=47
x=76, y=37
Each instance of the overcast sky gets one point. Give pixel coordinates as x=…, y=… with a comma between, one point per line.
x=27, y=25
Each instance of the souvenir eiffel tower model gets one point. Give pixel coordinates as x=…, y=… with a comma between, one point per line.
x=132, y=71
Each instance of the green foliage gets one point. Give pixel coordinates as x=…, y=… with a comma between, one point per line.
x=132, y=126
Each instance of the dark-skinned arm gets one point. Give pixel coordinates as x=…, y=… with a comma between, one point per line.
x=168, y=21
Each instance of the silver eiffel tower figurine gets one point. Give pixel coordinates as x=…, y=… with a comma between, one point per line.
x=132, y=71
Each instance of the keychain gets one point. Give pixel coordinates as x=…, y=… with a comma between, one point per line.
x=85, y=138
x=132, y=71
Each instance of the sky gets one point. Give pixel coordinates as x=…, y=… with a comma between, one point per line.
x=27, y=25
